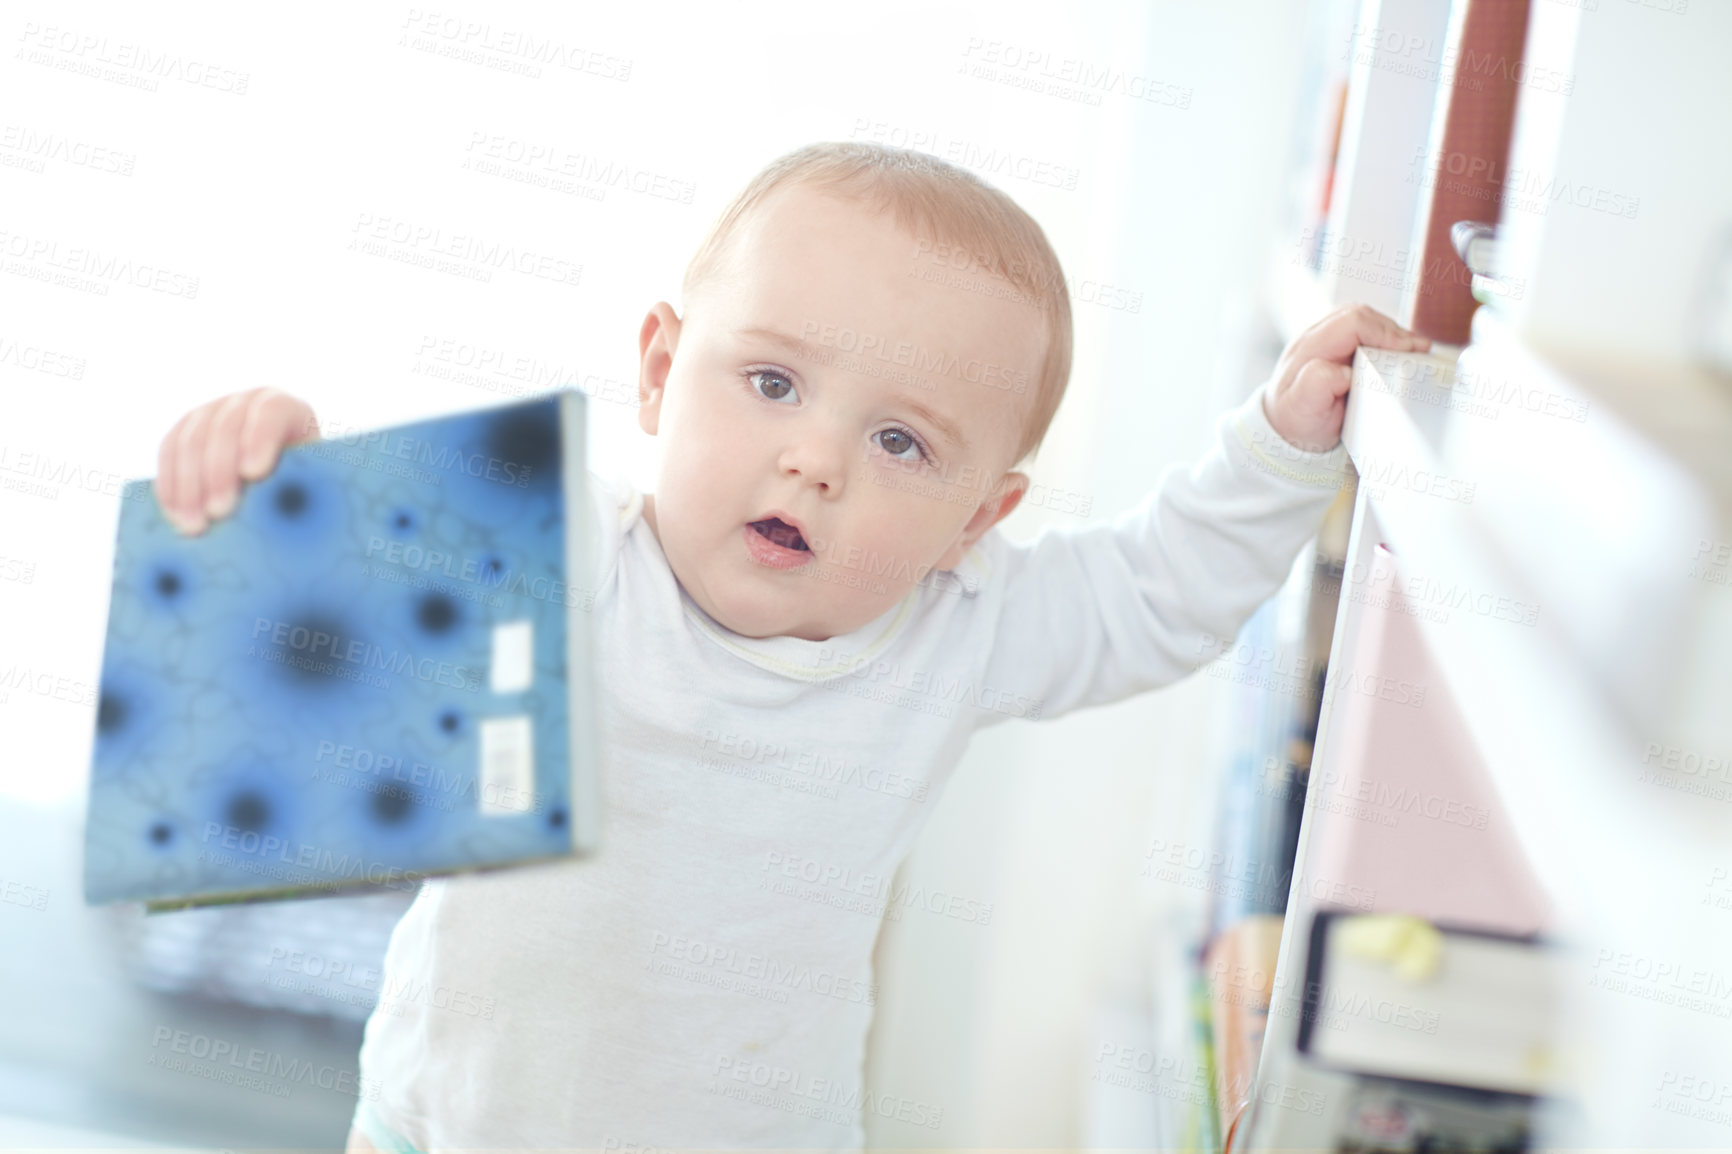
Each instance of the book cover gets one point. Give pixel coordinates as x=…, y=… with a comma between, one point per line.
x=376, y=669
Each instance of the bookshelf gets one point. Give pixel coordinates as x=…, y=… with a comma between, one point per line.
x=1607, y=860
x=1541, y=540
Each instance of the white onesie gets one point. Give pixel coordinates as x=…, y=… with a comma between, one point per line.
x=706, y=979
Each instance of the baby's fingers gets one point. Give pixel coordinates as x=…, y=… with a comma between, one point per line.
x=273, y=420
x=1381, y=332
x=1320, y=382
x=213, y=448
x=1338, y=334
x=179, y=486
x=221, y=468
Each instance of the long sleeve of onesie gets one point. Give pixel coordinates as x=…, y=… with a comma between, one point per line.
x=1090, y=616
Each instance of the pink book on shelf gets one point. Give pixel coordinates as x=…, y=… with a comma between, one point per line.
x=1414, y=823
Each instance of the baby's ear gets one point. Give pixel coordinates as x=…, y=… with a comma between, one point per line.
x=1006, y=497
x=656, y=343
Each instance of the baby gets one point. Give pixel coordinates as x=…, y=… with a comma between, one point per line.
x=795, y=637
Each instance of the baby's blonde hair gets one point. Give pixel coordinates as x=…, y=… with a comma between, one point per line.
x=935, y=200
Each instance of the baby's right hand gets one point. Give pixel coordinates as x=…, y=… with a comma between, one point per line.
x=212, y=449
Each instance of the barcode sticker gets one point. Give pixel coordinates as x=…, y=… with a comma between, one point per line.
x=507, y=765
x=513, y=665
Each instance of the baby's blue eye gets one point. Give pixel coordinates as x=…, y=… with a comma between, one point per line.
x=898, y=442
x=777, y=388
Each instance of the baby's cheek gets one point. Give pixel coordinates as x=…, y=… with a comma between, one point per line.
x=936, y=529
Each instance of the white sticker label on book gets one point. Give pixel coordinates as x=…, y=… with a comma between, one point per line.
x=507, y=765
x=513, y=665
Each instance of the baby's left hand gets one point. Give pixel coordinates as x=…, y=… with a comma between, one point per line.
x=1306, y=399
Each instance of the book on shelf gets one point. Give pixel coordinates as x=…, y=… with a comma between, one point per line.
x=1277, y=705
x=1468, y=160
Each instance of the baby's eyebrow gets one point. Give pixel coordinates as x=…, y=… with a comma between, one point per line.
x=792, y=344
x=943, y=424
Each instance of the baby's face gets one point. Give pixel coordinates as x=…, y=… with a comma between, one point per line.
x=835, y=427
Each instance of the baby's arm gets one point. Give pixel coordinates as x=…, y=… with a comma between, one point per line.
x=1091, y=616
x=215, y=447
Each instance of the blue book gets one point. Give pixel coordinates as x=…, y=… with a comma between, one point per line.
x=376, y=669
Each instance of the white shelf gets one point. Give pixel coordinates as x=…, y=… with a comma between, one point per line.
x=1594, y=522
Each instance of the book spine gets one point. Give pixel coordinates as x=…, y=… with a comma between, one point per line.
x=582, y=743
x=1479, y=113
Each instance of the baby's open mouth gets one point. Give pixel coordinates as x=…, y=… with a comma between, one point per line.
x=779, y=532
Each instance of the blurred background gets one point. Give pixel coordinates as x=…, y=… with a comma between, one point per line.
x=1161, y=211
x=1167, y=147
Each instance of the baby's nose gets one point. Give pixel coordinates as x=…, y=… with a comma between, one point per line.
x=819, y=460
